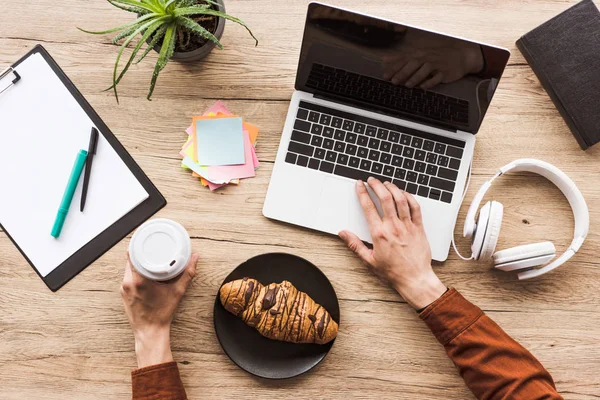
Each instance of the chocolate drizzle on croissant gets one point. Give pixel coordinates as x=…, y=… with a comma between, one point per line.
x=278, y=311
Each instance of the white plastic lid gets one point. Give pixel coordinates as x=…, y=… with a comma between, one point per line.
x=160, y=249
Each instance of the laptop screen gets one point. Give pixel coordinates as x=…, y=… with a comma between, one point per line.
x=397, y=69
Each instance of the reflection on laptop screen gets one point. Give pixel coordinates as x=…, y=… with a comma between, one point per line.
x=397, y=69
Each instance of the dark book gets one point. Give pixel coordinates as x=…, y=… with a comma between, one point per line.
x=564, y=53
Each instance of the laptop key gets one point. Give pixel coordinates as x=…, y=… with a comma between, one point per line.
x=408, y=163
x=440, y=148
x=316, y=129
x=454, y=163
x=377, y=168
x=447, y=173
x=394, y=137
x=313, y=163
x=446, y=197
x=320, y=154
x=348, y=125
x=371, y=131
x=423, y=191
x=326, y=166
x=401, y=184
x=382, y=134
x=420, y=155
x=405, y=140
x=342, y=159
x=411, y=176
x=428, y=145
x=325, y=119
x=431, y=170
x=423, y=179
x=374, y=143
x=417, y=142
x=302, y=125
x=359, y=128
x=300, y=148
x=331, y=156
x=302, y=113
x=339, y=134
x=365, y=165
x=411, y=188
x=328, y=132
x=291, y=158
x=434, y=194
x=443, y=161
x=431, y=158
x=454, y=152
x=388, y=170
x=441, y=184
x=363, y=152
x=362, y=140
x=351, y=149
x=336, y=122
x=397, y=149
x=354, y=162
x=352, y=173
x=408, y=152
x=400, y=173
x=385, y=146
x=301, y=137
x=339, y=147
x=374, y=155
x=420, y=166
x=315, y=141
x=328, y=144
x=397, y=161
x=351, y=137
x=313, y=116
x=302, y=161
x=385, y=158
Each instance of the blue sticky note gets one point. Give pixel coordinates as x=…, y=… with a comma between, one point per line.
x=220, y=141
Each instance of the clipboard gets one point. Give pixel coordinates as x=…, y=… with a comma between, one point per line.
x=116, y=231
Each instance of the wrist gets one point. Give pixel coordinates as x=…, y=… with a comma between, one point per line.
x=422, y=291
x=153, y=346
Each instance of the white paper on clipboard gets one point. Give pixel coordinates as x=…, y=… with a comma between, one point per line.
x=42, y=127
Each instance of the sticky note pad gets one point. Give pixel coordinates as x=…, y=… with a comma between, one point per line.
x=220, y=141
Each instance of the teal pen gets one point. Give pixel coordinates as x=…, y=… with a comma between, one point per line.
x=65, y=204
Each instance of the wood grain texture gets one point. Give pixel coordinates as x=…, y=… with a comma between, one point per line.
x=76, y=343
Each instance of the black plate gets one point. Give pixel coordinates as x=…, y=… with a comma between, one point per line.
x=271, y=358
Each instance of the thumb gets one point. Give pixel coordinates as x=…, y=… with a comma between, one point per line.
x=189, y=273
x=357, y=246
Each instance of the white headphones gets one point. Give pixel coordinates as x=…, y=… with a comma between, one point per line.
x=486, y=231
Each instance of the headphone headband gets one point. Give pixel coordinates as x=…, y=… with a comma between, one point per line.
x=563, y=183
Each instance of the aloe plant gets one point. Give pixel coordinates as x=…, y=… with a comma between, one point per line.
x=160, y=20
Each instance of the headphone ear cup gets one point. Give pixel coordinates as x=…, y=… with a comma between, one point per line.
x=526, y=256
x=492, y=230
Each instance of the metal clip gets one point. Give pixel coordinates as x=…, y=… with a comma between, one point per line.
x=5, y=73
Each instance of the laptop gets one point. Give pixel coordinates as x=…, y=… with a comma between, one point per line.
x=378, y=98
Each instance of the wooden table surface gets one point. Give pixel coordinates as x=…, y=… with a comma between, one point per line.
x=77, y=344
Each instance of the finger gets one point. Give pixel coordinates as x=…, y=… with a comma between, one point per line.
x=406, y=71
x=433, y=81
x=401, y=202
x=385, y=198
x=188, y=274
x=392, y=66
x=371, y=214
x=357, y=246
x=421, y=74
x=415, y=209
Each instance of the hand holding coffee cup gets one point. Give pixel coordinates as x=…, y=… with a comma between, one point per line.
x=151, y=297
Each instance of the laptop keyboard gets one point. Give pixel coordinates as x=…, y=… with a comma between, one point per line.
x=357, y=147
x=416, y=101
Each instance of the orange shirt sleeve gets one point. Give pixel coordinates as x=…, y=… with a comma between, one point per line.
x=157, y=382
x=492, y=364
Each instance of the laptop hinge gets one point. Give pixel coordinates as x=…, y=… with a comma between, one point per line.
x=381, y=110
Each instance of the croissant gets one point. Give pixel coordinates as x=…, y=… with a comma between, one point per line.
x=278, y=311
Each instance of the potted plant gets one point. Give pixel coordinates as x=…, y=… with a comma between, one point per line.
x=183, y=30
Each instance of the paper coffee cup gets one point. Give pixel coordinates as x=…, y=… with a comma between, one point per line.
x=160, y=249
